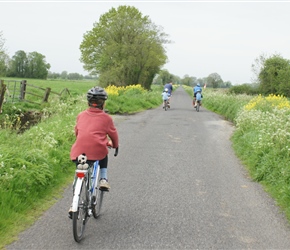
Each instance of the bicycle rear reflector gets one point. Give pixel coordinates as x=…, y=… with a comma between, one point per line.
x=80, y=174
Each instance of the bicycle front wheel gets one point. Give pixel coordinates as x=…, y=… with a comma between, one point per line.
x=79, y=217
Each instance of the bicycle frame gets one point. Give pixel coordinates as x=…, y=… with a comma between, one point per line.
x=80, y=174
x=166, y=104
x=196, y=103
x=90, y=173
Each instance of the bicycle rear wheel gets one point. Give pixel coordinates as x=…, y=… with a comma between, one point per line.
x=197, y=106
x=97, y=202
x=79, y=217
x=165, y=105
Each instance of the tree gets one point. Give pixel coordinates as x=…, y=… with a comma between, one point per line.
x=53, y=75
x=214, y=80
x=32, y=65
x=2, y=42
x=164, y=77
x=201, y=81
x=75, y=76
x=63, y=75
x=4, y=62
x=18, y=66
x=124, y=48
x=274, y=76
x=227, y=84
x=36, y=66
x=257, y=66
x=188, y=80
x=4, y=58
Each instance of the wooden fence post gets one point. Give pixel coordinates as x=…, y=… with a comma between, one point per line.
x=2, y=93
x=22, y=90
x=46, y=94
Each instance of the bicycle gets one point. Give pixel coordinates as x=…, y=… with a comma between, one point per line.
x=197, y=106
x=87, y=198
x=198, y=102
x=166, y=104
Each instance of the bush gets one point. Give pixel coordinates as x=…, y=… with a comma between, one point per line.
x=244, y=89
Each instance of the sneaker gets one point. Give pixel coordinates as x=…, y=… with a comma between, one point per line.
x=70, y=213
x=104, y=184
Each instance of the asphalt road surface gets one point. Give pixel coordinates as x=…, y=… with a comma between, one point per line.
x=176, y=184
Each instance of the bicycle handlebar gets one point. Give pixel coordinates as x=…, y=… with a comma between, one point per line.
x=116, y=151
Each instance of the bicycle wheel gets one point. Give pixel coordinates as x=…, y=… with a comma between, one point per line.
x=79, y=217
x=97, y=202
x=197, y=106
x=165, y=105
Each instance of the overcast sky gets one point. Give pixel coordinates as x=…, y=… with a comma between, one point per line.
x=223, y=37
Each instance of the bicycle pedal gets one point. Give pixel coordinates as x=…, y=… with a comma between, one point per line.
x=104, y=189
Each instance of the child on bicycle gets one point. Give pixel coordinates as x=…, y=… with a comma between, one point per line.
x=197, y=95
x=95, y=132
x=165, y=96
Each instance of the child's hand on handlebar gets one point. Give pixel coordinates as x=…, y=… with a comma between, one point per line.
x=110, y=144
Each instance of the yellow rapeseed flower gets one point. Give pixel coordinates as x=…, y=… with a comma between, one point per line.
x=271, y=100
x=253, y=103
x=114, y=90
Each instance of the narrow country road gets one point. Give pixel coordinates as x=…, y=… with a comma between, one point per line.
x=176, y=184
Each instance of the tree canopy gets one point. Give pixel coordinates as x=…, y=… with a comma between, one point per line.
x=163, y=77
x=214, y=80
x=32, y=65
x=274, y=76
x=124, y=48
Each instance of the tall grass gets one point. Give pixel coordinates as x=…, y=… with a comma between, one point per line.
x=36, y=162
x=33, y=164
x=262, y=140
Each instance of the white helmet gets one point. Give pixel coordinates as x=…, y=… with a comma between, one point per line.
x=166, y=90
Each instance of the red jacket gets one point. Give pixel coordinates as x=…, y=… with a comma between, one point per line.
x=91, y=130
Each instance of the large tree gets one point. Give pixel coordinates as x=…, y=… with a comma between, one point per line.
x=214, y=80
x=18, y=66
x=274, y=76
x=37, y=66
x=124, y=48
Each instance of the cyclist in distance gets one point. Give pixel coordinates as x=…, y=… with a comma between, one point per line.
x=95, y=132
x=169, y=87
x=165, y=96
x=196, y=89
